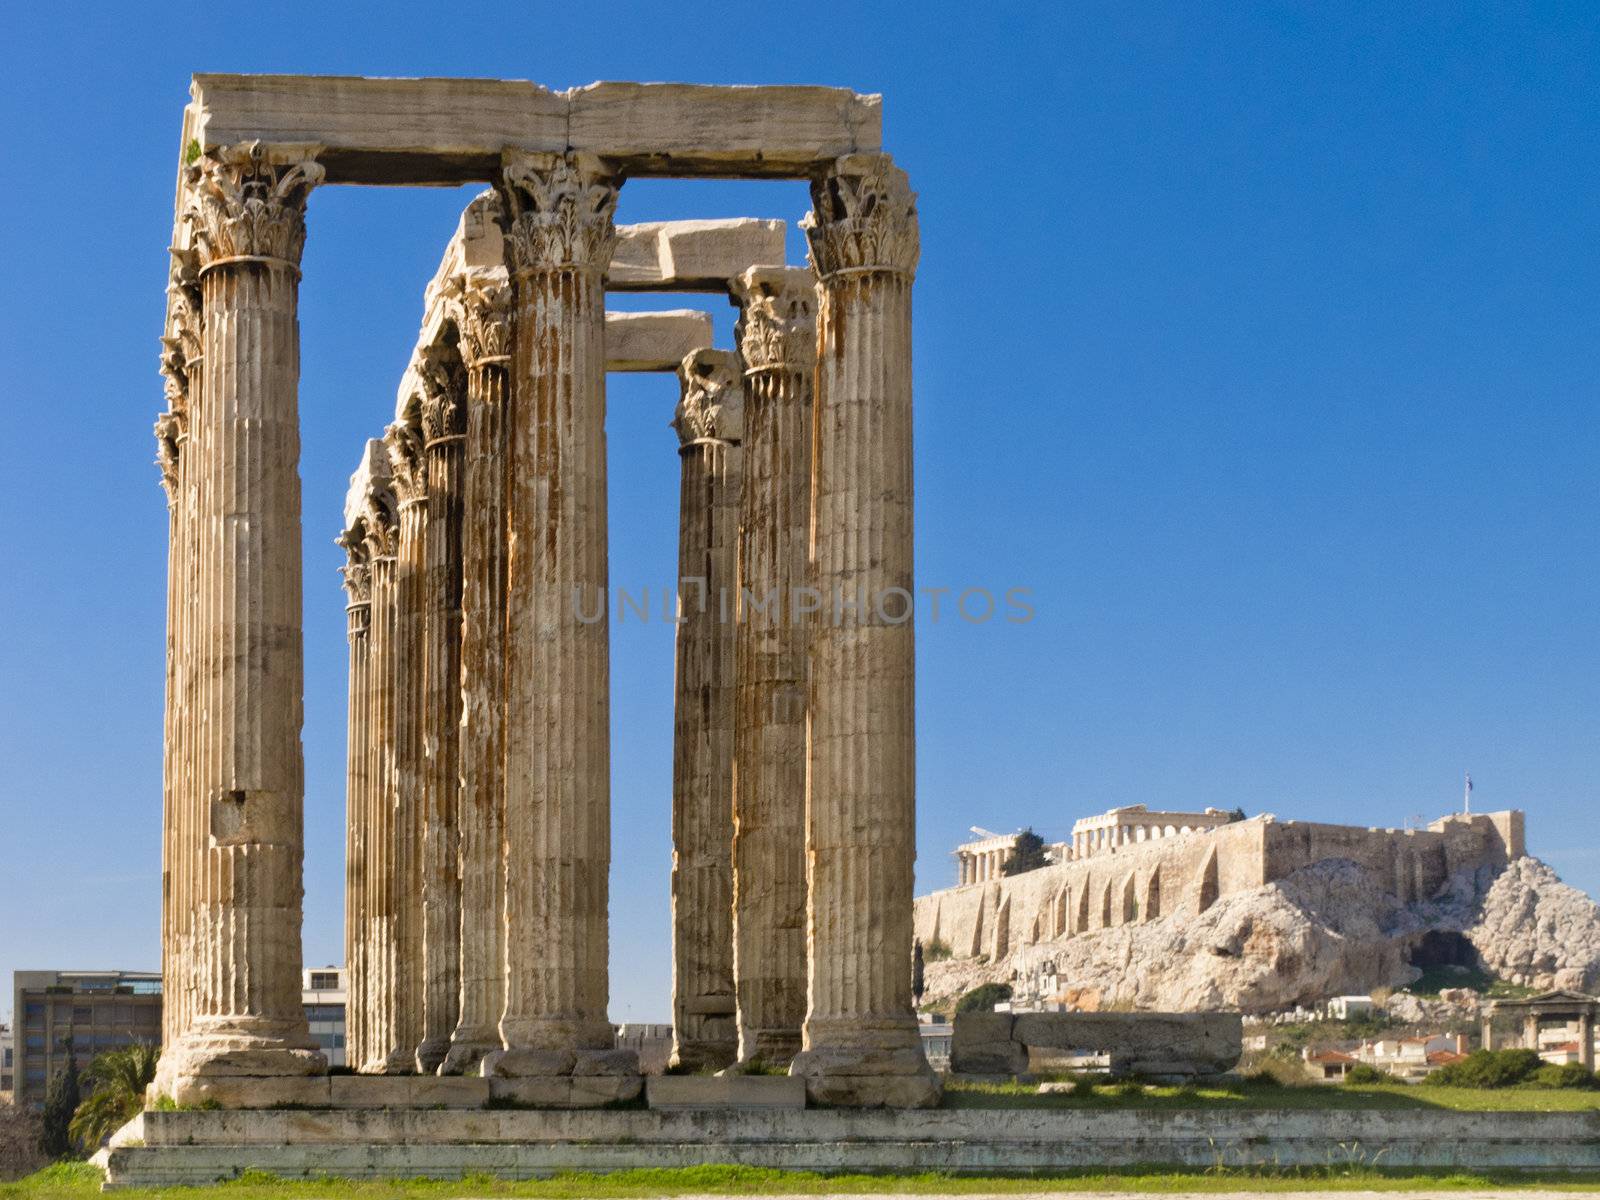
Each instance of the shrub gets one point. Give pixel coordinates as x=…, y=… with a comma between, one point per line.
x=936, y=950
x=1363, y=1073
x=1564, y=1075
x=19, y=1142
x=984, y=997
x=1489, y=1069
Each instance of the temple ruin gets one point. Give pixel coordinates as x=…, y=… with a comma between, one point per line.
x=478, y=842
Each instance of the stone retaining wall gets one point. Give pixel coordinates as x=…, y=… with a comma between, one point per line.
x=192, y=1147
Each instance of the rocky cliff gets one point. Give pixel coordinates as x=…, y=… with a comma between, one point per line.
x=1328, y=929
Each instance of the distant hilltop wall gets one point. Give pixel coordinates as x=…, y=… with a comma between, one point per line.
x=1183, y=876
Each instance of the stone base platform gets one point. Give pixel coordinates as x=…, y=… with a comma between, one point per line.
x=161, y=1149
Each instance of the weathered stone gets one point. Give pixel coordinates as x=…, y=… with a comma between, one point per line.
x=478, y=775
x=982, y=1044
x=243, y=668
x=654, y=341
x=692, y=256
x=557, y=857
x=566, y=1091
x=174, y=1148
x=429, y=131
x=709, y=421
x=1143, y=1042
x=861, y=803
x=725, y=1091
x=778, y=342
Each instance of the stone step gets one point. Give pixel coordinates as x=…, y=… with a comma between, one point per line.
x=725, y=1091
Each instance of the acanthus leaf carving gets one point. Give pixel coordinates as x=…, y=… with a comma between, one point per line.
x=863, y=218
x=777, y=324
x=711, y=404
x=241, y=206
x=357, y=571
x=480, y=302
x=443, y=409
x=408, y=470
x=558, y=213
x=380, y=525
x=172, y=427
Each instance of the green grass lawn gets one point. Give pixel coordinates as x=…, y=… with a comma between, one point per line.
x=1255, y=1095
x=80, y=1181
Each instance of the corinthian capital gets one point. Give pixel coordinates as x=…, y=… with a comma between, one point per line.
x=777, y=318
x=171, y=428
x=444, y=394
x=711, y=407
x=357, y=571
x=378, y=524
x=863, y=218
x=559, y=212
x=480, y=301
x=243, y=207
x=408, y=468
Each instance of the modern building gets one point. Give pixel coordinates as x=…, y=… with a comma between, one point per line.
x=1348, y=1008
x=78, y=1012
x=7, y=1055
x=325, y=997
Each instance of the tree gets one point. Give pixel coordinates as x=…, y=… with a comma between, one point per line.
x=117, y=1080
x=1027, y=854
x=918, y=984
x=1236, y=815
x=61, y=1100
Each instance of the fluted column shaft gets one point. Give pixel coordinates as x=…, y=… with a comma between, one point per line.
x=485, y=316
x=378, y=998
x=248, y=227
x=559, y=239
x=358, y=586
x=707, y=421
x=180, y=848
x=861, y=1039
x=777, y=337
x=409, y=474
x=444, y=432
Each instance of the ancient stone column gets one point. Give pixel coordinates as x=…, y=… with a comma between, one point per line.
x=183, y=843
x=358, y=610
x=708, y=426
x=444, y=419
x=375, y=1006
x=777, y=338
x=483, y=315
x=408, y=472
x=559, y=239
x=247, y=222
x=861, y=1041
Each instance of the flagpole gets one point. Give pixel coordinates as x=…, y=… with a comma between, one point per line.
x=1466, y=799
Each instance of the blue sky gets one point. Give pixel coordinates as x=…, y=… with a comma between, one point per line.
x=1260, y=342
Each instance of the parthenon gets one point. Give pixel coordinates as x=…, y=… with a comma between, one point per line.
x=478, y=834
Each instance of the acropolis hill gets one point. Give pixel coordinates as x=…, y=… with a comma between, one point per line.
x=1196, y=910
